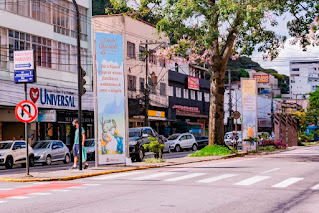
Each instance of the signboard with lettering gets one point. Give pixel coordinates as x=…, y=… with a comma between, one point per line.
x=193, y=83
x=24, y=76
x=47, y=116
x=110, y=101
x=23, y=60
x=262, y=78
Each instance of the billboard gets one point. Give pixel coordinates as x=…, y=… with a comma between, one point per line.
x=262, y=78
x=249, y=112
x=193, y=83
x=110, y=98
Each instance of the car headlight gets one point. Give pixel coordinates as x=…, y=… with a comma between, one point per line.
x=133, y=143
x=1, y=154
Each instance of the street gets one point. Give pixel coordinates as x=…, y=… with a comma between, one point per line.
x=284, y=182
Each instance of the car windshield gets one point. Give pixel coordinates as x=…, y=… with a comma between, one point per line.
x=89, y=143
x=172, y=137
x=5, y=145
x=134, y=133
x=42, y=145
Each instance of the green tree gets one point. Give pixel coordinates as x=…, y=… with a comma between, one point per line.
x=313, y=108
x=213, y=30
x=98, y=7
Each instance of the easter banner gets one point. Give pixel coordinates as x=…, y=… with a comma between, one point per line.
x=110, y=106
x=249, y=113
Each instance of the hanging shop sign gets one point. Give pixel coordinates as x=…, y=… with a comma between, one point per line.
x=193, y=83
x=262, y=78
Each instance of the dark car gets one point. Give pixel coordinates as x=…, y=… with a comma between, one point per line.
x=137, y=138
x=202, y=141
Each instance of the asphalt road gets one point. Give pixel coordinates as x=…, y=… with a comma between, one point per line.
x=285, y=182
x=61, y=166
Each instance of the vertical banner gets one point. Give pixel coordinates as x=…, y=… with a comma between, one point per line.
x=249, y=113
x=110, y=98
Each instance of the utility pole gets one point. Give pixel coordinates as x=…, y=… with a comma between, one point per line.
x=230, y=104
x=146, y=91
x=79, y=81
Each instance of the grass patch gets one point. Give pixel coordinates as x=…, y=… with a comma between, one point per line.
x=311, y=143
x=154, y=160
x=267, y=148
x=214, y=150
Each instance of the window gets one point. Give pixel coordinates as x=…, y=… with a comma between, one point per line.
x=152, y=58
x=4, y=56
x=162, y=62
x=295, y=69
x=142, y=84
x=131, y=82
x=189, y=137
x=171, y=91
x=142, y=53
x=185, y=93
x=162, y=89
x=176, y=67
x=153, y=89
x=183, y=138
x=192, y=94
x=16, y=6
x=41, y=11
x=61, y=19
x=206, y=96
x=199, y=96
x=17, y=41
x=178, y=92
x=130, y=50
x=149, y=132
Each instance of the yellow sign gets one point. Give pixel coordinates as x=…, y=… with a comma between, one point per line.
x=155, y=113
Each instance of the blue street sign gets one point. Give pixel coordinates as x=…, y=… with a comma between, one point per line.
x=24, y=76
x=28, y=65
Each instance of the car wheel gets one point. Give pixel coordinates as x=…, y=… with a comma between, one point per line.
x=31, y=161
x=140, y=155
x=194, y=147
x=48, y=160
x=67, y=159
x=178, y=148
x=9, y=163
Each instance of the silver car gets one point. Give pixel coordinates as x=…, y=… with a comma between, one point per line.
x=48, y=151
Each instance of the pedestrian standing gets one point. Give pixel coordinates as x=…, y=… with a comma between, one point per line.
x=76, y=151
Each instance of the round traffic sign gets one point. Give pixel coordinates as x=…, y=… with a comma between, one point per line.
x=26, y=111
x=236, y=115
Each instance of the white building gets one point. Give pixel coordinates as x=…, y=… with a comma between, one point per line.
x=48, y=27
x=304, y=77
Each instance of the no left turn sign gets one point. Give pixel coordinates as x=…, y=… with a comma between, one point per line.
x=26, y=111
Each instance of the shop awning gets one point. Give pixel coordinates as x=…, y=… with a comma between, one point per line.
x=195, y=124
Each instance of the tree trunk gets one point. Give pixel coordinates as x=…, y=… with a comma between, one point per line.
x=216, y=109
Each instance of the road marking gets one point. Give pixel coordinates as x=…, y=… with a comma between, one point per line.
x=272, y=170
x=287, y=182
x=161, y=174
x=252, y=180
x=40, y=193
x=6, y=189
x=39, y=183
x=77, y=187
x=3, y=201
x=60, y=190
x=184, y=177
x=315, y=187
x=217, y=178
x=110, y=176
x=19, y=197
x=91, y=184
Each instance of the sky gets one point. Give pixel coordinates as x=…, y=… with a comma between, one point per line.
x=290, y=52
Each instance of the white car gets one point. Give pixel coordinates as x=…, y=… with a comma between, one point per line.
x=178, y=142
x=14, y=152
x=230, y=138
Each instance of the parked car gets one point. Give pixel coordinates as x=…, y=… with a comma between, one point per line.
x=137, y=138
x=178, y=142
x=201, y=141
x=90, y=148
x=48, y=151
x=166, y=144
x=230, y=138
x=14, y=152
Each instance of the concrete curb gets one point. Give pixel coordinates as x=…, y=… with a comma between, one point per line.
x=73, y=177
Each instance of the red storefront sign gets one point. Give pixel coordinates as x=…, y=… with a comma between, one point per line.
x=193, y=83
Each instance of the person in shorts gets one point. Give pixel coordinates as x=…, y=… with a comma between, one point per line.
x=76, y=151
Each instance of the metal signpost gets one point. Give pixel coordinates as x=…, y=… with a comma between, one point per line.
x=236, y=115
x=25, y=72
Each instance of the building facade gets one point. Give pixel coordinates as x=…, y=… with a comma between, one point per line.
x=140, y=37
x=49, y=28
x=266, y=83
x=304, y=77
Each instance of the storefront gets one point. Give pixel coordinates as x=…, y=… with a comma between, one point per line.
x=57, y=108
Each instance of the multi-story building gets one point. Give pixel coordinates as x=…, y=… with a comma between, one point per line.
x=136, y=34
x=266, y=83
x=49, y=28
x=304, y=77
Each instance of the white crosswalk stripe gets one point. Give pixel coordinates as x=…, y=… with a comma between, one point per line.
x=117, y=175
x=6, y=189
x=315, y=187
x=252, y=180
x=18, y=197
x=287, y=182
x=91, y=184
x=3, y=201
x=184, y=177
x=40, y=193
x=60, y=190
x=147, y=177
x=217, y=178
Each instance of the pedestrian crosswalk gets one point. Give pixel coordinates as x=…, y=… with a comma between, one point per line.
x=206, y=178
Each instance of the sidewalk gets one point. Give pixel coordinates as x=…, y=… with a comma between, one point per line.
x=64, y=175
